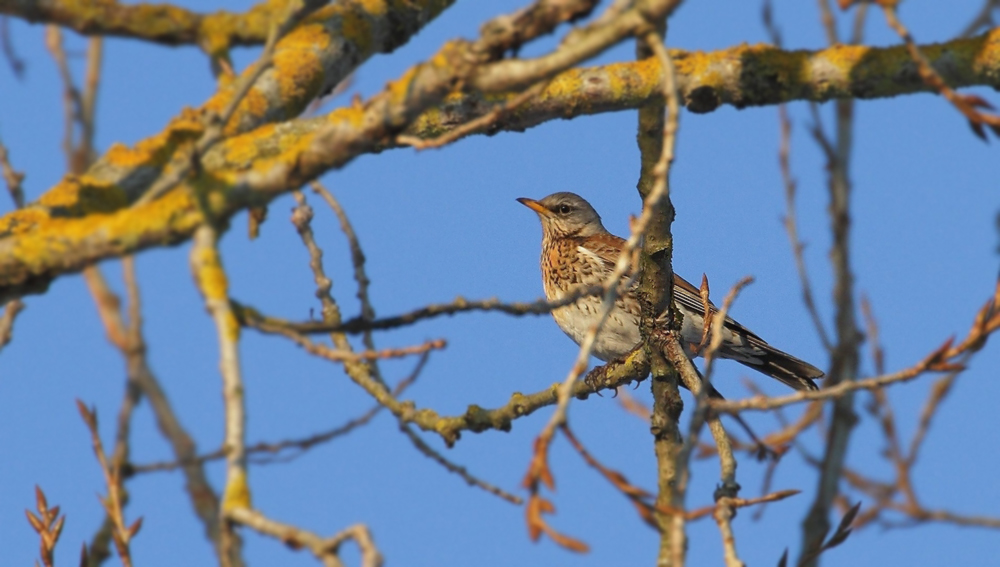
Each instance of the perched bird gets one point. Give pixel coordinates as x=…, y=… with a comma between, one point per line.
x=578, y=251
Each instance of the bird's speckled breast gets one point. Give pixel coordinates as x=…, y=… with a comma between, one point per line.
x=620, y=333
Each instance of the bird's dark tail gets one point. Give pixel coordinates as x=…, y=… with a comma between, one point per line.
x=779, y=365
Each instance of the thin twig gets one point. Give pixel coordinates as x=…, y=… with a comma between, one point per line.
x=340, y=355
x=844, y=357
x=301, y=445
x=966, y=104
x=7, y=46
x=113, y=503
x=984, y=19
x=325, y=549
x=451, y=467
x=360, y=324
x=368, y=375
x=946, y=358
x=206, y=265
x=700, y=387
x=11, y=177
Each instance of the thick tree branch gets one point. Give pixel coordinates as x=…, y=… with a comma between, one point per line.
x=159, y=23
x=83, y=219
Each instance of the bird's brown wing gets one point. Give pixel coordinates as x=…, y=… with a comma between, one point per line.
x=748, y=348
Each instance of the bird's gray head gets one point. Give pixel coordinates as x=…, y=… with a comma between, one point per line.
x=565, y=214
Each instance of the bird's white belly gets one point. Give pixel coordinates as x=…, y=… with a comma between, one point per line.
x=618, y=336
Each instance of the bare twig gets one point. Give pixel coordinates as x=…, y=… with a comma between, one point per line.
x=643, y=500
x=113, y=503
x=10, y=312
x=791, y=227
x=791, y=186
x=984, y=19
x=128, y=338
x=13, y=180
x=206, y=265
x=367, y=375
x=966, y=104
x=11, y=177
x=451, y=467
x=844, y=355
x=7, y=46
x=359, y=325
x=700, y=387
x=325, y=549
x=300, y=445
x=340, y=355
x=948, y=357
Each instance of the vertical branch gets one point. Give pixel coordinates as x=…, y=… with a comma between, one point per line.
x=141, y=381
x=656, y=137
x=11, y=177
x=115, y=501
x=206, y=266
x=360, y=275
x=13, y=180
x=845, y=355
x=7, y=47
x=791, y=186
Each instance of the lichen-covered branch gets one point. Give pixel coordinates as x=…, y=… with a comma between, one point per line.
x=309, y=61
x=249, y=170
x=845, y=353
x=160, y=23
x=206, y=265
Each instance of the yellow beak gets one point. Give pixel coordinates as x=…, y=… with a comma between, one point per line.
x=535, y=206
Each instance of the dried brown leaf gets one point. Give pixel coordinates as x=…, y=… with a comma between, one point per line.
x=134, y=528
x=568, y=542
x=533, y=516
x=977, y=129
x=40, y=502
x=89, y=415
x=977, y=101
x=538, y=470
x=36, y=523
x=844, y=528
x=57, y=529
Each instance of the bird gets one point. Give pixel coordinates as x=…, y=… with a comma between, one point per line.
x=578, y=251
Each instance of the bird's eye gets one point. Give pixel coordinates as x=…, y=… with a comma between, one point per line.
x=565, y=209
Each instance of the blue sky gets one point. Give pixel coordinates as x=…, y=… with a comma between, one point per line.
x=437, y=224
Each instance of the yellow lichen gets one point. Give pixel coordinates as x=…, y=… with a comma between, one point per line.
x=83, y=195
x=399, y=89
x=374, y=7
x=211, y=277
x=355, y=28
x=51, y=237
x=237, y=494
